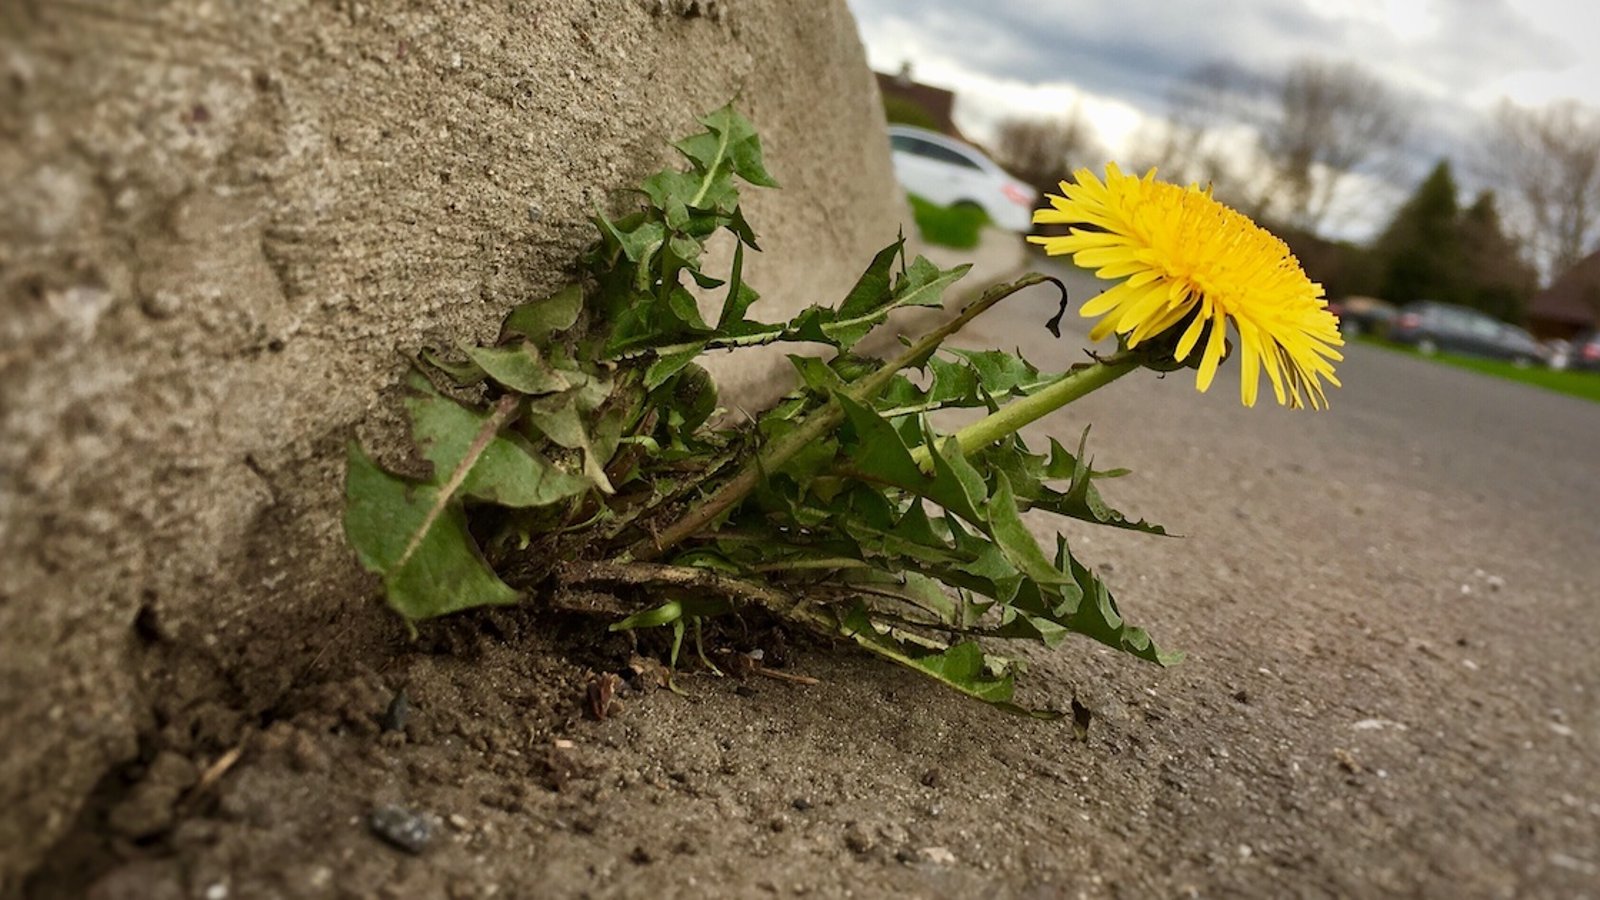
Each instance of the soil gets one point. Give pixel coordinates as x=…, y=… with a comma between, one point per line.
x=1390, y=688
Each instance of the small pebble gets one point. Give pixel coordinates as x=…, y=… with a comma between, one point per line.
x=394, y=718
x=407, y=830
x=801, y=804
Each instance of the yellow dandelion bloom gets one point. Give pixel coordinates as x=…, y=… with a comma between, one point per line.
x=1186, y=257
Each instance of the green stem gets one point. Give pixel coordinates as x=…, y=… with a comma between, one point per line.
x=818, y=424
x=1013, y=416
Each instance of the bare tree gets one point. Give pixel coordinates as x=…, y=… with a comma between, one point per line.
x=1044, y=152
x=1330, y=121
x=1204, y=139
x=1548, y=162
x=1281, y=146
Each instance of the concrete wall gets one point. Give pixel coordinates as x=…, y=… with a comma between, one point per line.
x=222, y=224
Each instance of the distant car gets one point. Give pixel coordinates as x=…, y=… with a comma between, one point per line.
x=947, y=172
x=1584, y=355
x=1363, y=315
x=1431, y=326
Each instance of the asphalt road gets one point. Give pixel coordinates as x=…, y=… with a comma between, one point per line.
x=1404, y=589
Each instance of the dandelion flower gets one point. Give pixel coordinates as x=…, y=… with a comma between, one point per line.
x=1182, y=258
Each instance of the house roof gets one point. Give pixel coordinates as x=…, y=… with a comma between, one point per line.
x=1574, y=298
x=937, y=102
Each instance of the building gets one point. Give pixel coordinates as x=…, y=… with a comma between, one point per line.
x=910, y=102
x=1570, y=304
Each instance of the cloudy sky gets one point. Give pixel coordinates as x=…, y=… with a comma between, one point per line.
x=1117, y=62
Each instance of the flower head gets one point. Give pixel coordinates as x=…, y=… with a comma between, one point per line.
x=1187, y=260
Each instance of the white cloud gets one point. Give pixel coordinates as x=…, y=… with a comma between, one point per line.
x=1120, y=61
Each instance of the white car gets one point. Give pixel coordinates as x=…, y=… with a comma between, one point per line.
x=947, y=172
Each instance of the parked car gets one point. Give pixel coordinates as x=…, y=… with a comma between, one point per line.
x=1431, y=326
x=1363, y=315
x=947, y=172
x=1584, y=354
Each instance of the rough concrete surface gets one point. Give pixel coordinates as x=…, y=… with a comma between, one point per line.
x=222, y=227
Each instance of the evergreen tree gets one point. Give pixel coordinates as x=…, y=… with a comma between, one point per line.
x=1421, y=250
x=1434, y=250
x=1499, y=279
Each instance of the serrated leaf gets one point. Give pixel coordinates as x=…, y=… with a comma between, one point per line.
x=924, y=283
x=740, y=296
x=1081, y=500
x=871, y=289
x=1098, y=617
x=638, y=244
x=417, y=541
x=415, y=533
x=506, y=471
x=962, y=667
x=913, y=588
x=730, y=143
x=664, y=367
x=1017, y=542
x=742, y=229
x=816, y=374
x=958, y=486
x=878, y=451
x=1001, y=372
x=669, y=188
x=686, y=310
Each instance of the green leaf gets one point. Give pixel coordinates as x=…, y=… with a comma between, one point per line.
x=878, y=451
x=640, y=243
x=729, y=143
x=686, y=310
x=464, y=374
x=913, y=588
x=415, y=536
x=521, y=368
x=1097, y=617
x=505, y=470
x=664, y=367
x=1017, y=542
x=665, y=614
x=963, y=667
x=871, y=290
x=538, y=320
x=924, y=283
x=1029, y=472
x=740, y=295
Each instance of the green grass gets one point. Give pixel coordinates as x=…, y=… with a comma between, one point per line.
x=948, y=226
x=1577, y=384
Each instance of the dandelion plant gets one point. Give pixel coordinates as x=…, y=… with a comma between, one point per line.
x=579, y=461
